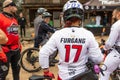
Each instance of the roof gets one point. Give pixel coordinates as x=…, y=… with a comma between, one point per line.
x=101, y=4
x=93, y=3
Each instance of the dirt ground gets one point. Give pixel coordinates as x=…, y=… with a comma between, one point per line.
x=25, y=75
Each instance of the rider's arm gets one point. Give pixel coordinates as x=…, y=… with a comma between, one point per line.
x=47, y=27
x=44, y=54
x=114, y=34
x=3, y=37
x=94, y=51
x=46, y=51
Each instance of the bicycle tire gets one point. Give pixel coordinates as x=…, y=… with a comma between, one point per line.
x=29, y=60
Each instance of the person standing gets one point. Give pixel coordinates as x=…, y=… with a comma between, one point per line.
x=105, y=20
x=112, y=61
x=22, y=23
x=37, y=22
x=98, y=20
x=45, y=27
x=74, y=44
x=9, y=25
x=43, y=30
x=40, y=32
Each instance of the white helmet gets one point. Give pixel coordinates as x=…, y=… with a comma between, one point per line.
x=73, y=8
x=41, y=10
x=46, y=14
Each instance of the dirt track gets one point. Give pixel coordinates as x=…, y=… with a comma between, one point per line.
x=25, y=75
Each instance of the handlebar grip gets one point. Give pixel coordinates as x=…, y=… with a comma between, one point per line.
x=39, y=77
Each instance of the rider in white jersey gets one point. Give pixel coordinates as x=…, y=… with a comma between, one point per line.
x=112, y=61
x=74, y=43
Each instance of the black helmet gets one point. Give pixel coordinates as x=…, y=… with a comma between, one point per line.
x=46, y=14
x=41, y=10
x=73, y=8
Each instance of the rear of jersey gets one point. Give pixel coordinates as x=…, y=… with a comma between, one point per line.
x=75, y=45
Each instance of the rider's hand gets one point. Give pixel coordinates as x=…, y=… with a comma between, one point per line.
x=49, y=74
x=3, y=57
x=105, y=52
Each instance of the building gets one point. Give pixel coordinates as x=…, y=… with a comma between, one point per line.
x=102, y=8
x=53, y=6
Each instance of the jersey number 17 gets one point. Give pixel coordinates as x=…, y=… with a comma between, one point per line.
x=68, y=48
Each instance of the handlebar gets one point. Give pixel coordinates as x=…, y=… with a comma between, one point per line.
x=91, y=66
x=39, y=77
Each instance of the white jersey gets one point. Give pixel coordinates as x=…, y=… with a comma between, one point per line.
x=112, y=61
x=114, y=37
x=74, y=46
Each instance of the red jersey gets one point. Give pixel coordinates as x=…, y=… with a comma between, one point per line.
x=10, y=26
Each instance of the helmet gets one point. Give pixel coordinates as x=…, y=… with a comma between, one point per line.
x=73, y=8
x=46, y=14
x=41, y=10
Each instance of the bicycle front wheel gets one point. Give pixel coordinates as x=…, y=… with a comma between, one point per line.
x=29, y=60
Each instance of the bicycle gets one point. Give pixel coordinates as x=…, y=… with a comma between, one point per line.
x=89, y=74
x=81, y=76
x=39, y=77
x=29, y=58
